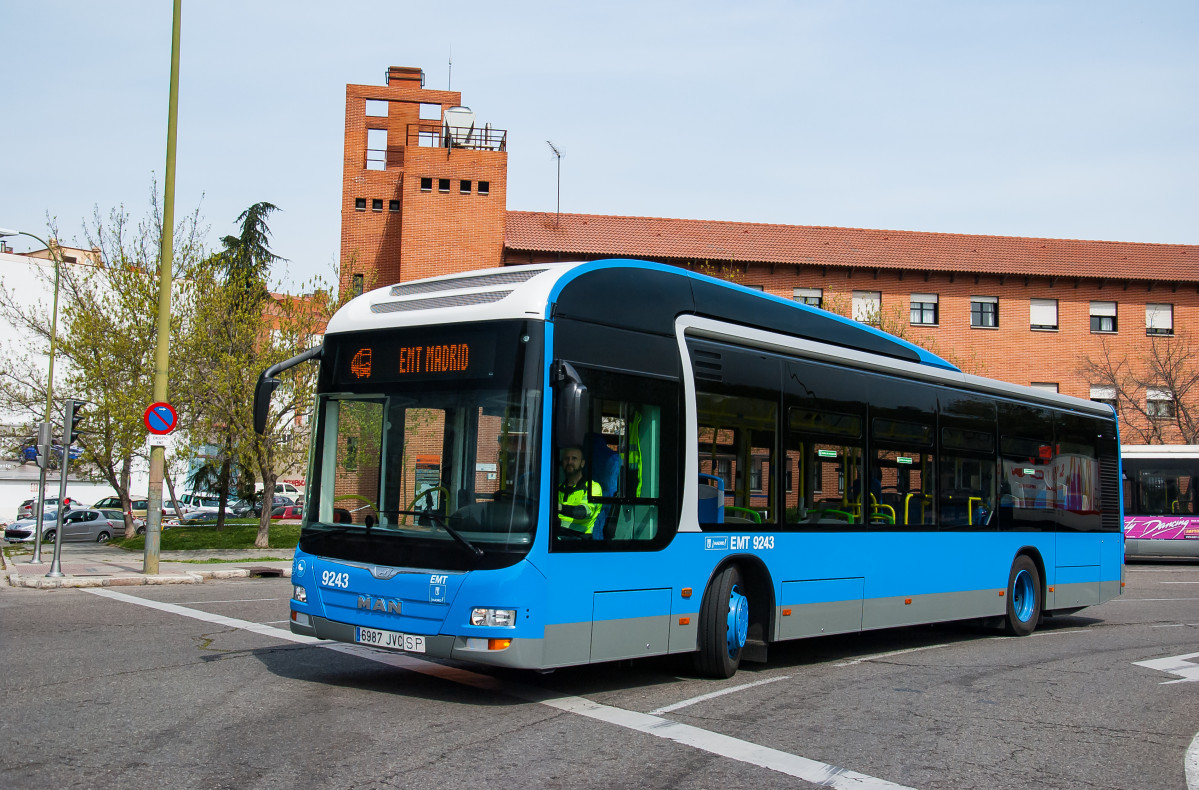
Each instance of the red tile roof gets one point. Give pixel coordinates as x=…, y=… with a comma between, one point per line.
x=592, y=235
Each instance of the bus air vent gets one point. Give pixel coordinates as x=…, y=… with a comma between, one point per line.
x=457, y=300
x=473, y=281
x=707, y=364
x=1109, y=496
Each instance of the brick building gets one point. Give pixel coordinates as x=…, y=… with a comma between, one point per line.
x=426, y=201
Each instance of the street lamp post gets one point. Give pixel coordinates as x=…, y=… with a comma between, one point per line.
x=41, y=486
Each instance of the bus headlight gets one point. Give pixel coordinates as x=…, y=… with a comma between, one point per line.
x=300, y=594
x=501, y=618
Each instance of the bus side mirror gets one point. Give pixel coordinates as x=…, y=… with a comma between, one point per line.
x=570, y=409
x=267, y=383
x=262, y=400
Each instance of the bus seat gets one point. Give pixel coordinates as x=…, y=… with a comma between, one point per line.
x=605, y=470
x=711, y=500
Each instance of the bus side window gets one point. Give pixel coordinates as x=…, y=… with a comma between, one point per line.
x=628, y=452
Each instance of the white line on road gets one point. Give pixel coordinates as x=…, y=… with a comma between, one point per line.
x=1178, y=582
x=704, y=697
x=714, y=743
x=1138, y=600
x=235, y=600
x=877, y=656
x=1190, y=764
x=1182, y=666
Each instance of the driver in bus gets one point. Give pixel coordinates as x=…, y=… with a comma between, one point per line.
x=576, y=512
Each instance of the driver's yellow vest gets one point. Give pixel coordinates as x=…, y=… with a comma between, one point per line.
x=577, y=495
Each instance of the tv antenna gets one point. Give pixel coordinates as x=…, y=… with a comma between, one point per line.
x=558, y=156
x=449, y=80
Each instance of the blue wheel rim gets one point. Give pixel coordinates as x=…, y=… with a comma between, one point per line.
x=1024, y=597
x=738, y=621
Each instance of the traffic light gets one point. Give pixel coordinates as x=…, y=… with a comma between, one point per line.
x=74, y=413
x=43, y=444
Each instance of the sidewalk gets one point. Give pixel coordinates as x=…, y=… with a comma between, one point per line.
x=92, y=565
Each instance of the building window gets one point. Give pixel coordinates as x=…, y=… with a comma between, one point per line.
x=1047, y=386
x=376, y=149
x=443, y=185
x=1159, y=319
x=376, y=108
x=356, y=286
x=1159, y=404
x=1103, y=316
x=1042, y=314
x=360, y=204
x=430, y=112
x=754, y=287
x=377, y=204
x=1103, y=393
x=984, y=312
x=484, y=187
x=924, y=309
x=813, y=297
x=464, y=187
x=393, y=205
x=866, y=306
x=426, y=184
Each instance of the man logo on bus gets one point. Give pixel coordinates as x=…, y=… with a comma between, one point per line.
x=360, y=365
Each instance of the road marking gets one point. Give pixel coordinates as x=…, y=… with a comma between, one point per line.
x=1175, y=665
x=1138, y=600
x=235, y=600
x=1190, y=764
x=877, y=656
x=704, y=697
x=714, y=743
x=1178, y=582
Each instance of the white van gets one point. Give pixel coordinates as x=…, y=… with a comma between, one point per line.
x=286, y=489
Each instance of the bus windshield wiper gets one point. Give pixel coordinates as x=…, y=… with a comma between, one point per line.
x=441, y=522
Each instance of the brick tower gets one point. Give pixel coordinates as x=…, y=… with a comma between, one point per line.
x=424, y=184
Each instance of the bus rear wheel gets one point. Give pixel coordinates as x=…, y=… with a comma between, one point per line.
x=1023, y=597
x=723, y=625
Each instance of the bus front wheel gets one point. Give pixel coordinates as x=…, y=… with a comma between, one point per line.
x=1023, y=597
x=723, y=625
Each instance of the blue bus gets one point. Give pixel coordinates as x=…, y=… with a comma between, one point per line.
x=754, y=470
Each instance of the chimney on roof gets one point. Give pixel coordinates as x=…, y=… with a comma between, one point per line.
x=405, y=74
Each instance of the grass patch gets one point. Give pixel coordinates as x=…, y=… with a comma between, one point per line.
x=237, y=534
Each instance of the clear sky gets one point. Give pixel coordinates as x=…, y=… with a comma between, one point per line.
x=1040, y=118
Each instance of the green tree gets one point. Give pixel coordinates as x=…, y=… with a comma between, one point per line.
x=106, y=333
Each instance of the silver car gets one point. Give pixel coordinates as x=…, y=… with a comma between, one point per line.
x=95, y=526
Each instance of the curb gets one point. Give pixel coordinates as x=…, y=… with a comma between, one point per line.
x=14, y=578
x=195, y=577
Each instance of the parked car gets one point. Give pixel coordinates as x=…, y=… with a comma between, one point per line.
x=194, y=519
x=286, y=489
x=244, y=508
x=139, y=506
x=26, y=508
x=288, y=511
x=193, y=501
x=139, y=524
x=78, y=525
x=21, y=530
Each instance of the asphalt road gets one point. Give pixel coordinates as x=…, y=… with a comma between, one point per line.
x=113, y=689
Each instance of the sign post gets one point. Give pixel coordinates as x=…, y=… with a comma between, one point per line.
x=160, y=419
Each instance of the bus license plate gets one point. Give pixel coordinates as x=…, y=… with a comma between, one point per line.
x=409, y=643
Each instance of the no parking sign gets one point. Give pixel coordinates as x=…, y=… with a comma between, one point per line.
x=160, y=418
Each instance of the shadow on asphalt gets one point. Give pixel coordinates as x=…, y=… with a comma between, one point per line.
x=317, y=665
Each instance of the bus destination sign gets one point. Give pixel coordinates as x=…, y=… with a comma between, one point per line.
x=422, y=358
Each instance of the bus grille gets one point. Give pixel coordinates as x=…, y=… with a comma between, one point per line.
x=458, y=300
x=474, y=281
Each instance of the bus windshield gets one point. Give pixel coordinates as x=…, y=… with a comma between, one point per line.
x=425, y=447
